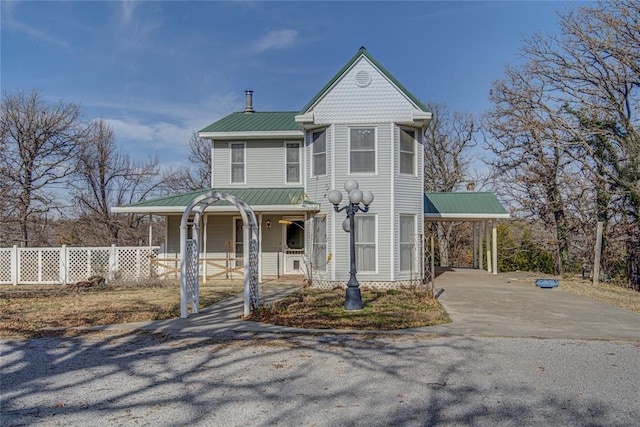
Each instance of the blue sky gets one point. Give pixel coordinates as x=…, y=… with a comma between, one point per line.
x=158, y=70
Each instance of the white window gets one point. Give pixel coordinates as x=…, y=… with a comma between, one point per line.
x=238, y=163
x=320, y=242
x=407, y=230
x=365, y=240
x=292, y=155
x=362, y=150
x=407, y=151
x=319, y=141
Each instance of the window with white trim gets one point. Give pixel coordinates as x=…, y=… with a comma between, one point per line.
x=237, y=163
x=407, y=229
x=320, y=242
x=407, y=151
x=362, y=150
x=365, y=241
x=292, y=155
x=319, y=142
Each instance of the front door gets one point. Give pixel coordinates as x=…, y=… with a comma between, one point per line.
x=293, y=246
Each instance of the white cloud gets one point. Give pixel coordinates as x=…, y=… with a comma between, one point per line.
x=8, y=22
x=276, y=39
x=128, y=10
x=134, y=135
x=134, y=31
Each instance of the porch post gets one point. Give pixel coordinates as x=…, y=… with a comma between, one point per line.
x=488, y=239
x=494, y=230
x=480, y=248
x=475, y=243
x=260, y=247
x=150, y=229
x=246, y=237
x=205, y=268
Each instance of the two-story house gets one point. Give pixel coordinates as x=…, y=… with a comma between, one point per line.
x=362, y=124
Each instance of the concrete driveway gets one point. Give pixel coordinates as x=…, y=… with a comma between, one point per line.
x=484, y=304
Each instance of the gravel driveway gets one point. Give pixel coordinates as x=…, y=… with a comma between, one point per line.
x=267, y=379
x=514, y=355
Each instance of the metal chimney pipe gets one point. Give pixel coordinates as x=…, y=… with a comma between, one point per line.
x=249, y=107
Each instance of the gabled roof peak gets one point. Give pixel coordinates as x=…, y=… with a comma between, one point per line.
x=362, y=52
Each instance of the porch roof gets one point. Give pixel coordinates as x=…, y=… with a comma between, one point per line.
x=286, y=199
x=464, y=206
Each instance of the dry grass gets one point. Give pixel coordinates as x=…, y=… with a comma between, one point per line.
x=383, y=310
x=26, y=310
x=619, y=296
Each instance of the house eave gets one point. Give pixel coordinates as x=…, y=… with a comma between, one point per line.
x=242, y=136
x=168, y=210
x=464, y=216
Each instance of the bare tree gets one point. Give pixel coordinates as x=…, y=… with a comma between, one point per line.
x=198, y=175
x=448, y=139
x=529, y=157
x=39, y=141
x=106, y=177
x=594, y=67
x=565, y=126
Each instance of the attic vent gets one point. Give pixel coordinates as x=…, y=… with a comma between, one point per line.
x=363, y=78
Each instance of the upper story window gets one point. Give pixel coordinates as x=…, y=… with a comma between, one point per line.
x=293, y=162
x=319, y=142
x=407, y=151
x=362, y=150
x=238, y=163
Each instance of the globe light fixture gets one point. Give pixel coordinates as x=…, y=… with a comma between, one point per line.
x=359, y=201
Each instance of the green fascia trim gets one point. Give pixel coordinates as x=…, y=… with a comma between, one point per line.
x=363, y=52
x=259, y=121
x=462, y=203
x=253, y=196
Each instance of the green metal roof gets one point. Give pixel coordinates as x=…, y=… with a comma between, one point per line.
x=259, y=121
x=363, y=52
x=289, y=196
x=459, y=205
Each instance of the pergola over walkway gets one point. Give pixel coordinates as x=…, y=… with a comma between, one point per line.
x=481, y=209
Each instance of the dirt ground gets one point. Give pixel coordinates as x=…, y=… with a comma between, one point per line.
x=26, y=309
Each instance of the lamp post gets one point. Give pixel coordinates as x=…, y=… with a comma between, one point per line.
x=358, y=201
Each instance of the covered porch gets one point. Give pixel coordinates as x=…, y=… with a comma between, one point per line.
x=282, y=215
x=481, y=209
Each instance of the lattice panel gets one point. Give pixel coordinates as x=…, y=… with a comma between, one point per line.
x=5, y=265
x=77, y=261
x=192, y=270
x=28, y=260
x=253, y=272
x=429, y=274
x=128, y=262
x=99, y=263
x=147, y=267
x=417, y=253
x=50, y=265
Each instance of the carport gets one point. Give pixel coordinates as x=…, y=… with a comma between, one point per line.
x=482, y=209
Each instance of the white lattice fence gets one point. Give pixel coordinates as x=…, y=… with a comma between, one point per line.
x=69, y=264
x=87, y=262
x=6, y=261
x=132, y=263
